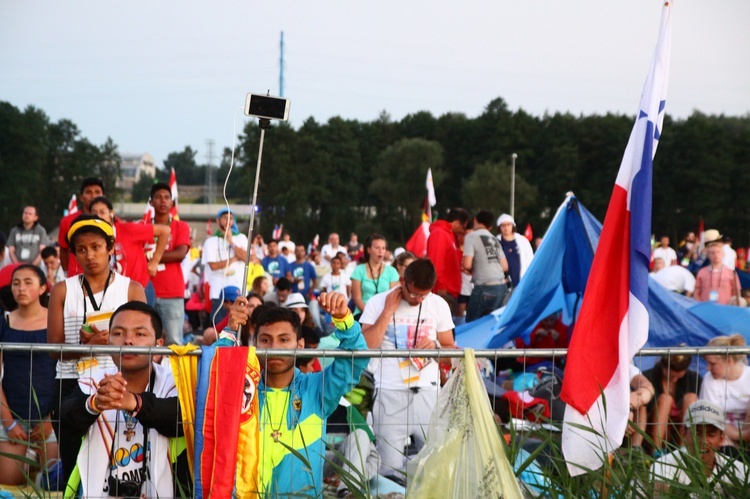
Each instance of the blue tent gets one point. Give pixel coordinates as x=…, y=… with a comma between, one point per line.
x=556, y=280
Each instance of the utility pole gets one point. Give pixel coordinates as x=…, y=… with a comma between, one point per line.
x=210, y=180
x=281, y=66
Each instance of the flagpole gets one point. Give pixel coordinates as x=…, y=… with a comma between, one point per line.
x=513, y=184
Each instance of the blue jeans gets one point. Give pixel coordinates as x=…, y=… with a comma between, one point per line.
x=150, y=294
x=172, y=313
x=484, y=300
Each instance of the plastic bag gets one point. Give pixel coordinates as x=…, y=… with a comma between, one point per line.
x=464, y=455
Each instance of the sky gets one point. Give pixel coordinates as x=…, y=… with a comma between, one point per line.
x=158, y=76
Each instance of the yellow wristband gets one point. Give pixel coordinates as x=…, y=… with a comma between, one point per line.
x=345, y=322
x=92, y=403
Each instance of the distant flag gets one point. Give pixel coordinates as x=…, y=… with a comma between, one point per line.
x=148, y=213
x=528, y=233
x=277, y=229
x=208, y=228
x=431, y=200
x=613, y=325
x=73, y=205
x=701, y=235
x=417, y=243
x=316, y=241
x=173, y=188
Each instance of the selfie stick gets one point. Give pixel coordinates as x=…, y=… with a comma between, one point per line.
x=264, y=125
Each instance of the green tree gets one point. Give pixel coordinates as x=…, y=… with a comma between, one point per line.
x=185, y=167
x=489, y=188
x=400, y=183
x=142, y=189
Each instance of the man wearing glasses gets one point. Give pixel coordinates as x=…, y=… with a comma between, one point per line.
x=407, y=317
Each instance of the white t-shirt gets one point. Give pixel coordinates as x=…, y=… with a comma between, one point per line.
x=336, y=283
x=216, y=249
x=733, y=396
x=287, y=244
x=676, y=278
x=407, y=326
x=667, y=254
x=330, y=252
x=671, y=468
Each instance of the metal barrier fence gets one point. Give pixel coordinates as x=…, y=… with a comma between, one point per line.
x=398, y=418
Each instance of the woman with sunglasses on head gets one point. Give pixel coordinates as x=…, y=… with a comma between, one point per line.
x=130, y=240
x=28, y=382
x=372, y=275
x=79, y=311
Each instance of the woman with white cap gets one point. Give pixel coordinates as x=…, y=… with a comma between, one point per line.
x=516, y=247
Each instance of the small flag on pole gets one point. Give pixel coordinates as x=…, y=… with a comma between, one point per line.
x=613, y=324
x=277, y=229
x=173, y=188
x=528, y=233
x=73, y=205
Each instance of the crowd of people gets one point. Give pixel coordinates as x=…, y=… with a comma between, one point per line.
x=111, y=282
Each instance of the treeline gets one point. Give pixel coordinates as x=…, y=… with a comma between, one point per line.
x=369, y=176
x=42, y=163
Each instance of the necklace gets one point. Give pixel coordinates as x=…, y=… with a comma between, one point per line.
x=276, y=432
x=130, y=422
x=372, y=274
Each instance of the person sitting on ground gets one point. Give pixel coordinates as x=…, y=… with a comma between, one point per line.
x=51, y=266
x=280, y=295
x=551, y=332
x=260, y=285
x=703, y=433
x=727, y=384
x=641, y=393
x=230, y=294
x=676, y=387
x=137, y=408
x=294, y=406
x=336, y=280
x=28, y=381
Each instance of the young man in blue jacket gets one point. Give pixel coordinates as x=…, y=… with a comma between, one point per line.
x=294, y=406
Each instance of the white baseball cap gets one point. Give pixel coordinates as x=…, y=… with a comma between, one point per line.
x=704, y=412
x=505, y=218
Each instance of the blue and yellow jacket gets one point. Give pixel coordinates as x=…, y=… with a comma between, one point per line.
x=293, y=420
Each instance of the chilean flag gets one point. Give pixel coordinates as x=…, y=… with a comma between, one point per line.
x=613, y=322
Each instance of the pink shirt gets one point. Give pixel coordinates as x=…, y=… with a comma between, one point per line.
x=718, y=285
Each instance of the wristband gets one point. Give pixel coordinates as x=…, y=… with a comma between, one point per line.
x=138, y=403
x=345, y=322
x=92, y=405
x=13, y=425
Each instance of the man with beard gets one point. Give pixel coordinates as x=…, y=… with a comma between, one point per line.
x=223, y=261
x=294, y=406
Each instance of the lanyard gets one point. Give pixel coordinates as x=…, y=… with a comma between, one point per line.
x=90, y=294
x=416, y=331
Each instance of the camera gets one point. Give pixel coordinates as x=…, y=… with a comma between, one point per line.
x=127, y=489
x=267, y=107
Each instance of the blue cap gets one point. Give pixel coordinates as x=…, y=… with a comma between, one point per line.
x=222, y=211
x=231, y=293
